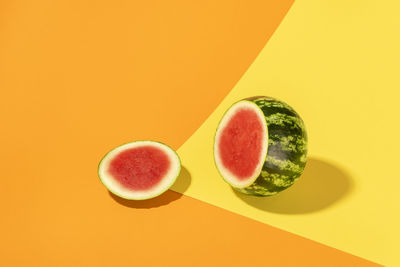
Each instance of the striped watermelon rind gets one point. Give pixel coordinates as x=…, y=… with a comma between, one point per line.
x=286, y=152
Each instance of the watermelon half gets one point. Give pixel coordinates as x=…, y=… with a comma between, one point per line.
x=139, y=170
x=260, y=146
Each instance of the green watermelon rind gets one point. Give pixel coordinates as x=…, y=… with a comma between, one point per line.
x=286, y=154
x=164, y=189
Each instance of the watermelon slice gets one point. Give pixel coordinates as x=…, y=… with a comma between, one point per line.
x=260, y=146
x=139, y=170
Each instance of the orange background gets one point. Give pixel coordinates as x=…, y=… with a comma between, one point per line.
x=81, y=77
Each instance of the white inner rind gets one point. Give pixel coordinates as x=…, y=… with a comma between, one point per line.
x=117, y=188
x=228, y=176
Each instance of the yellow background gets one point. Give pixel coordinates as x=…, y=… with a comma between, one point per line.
x=337, y=64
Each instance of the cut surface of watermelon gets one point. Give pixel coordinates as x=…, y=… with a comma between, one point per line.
x=241, y=143
x=139, y=170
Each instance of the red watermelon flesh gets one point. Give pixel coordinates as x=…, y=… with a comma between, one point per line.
x=140, y=168
x=240, y=143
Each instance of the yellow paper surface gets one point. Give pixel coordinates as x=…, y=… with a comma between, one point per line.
x=337, y=64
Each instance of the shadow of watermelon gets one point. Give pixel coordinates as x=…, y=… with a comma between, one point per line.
x=321, y=185
x=164, y=199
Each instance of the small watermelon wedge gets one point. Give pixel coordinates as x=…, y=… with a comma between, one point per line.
x=260, y=146
x=139, y=170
